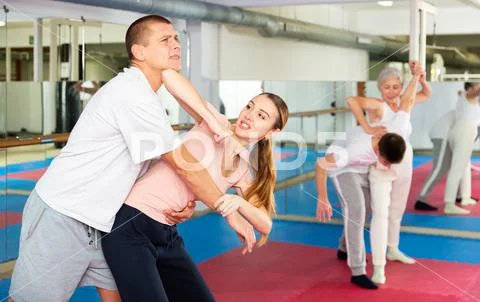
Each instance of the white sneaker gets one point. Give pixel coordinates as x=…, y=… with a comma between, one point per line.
x=379, y=275
x=394, y=254
x=451, y=208
x=467, y=201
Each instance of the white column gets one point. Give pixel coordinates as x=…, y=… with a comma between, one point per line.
x=74, y=53
x=8, y=64
x=414, y=29
x=423, y=38
x=53, y=64
x=38, y=50
x=195, y=57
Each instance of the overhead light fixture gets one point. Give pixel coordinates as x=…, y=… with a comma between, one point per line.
x=363, y=40
x=385, y=3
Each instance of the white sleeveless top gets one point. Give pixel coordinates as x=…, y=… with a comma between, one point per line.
x=467, y=110
x=388, y=116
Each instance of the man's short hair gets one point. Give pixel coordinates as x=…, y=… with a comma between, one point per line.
x=392, y=148
x=137, y=32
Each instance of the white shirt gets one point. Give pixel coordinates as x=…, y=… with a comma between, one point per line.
x=356, y=154
x=124, y=125
x=467, y=110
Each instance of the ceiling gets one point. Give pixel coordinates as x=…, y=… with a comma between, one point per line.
x=253, y=3
x=354, y=4
x=30, y=9
x=27, y=10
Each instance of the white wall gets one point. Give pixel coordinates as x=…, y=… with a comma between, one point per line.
x=242, y=54
x=24, y=106
x=461, y=20
x=245, y=56
x=328, y=15
x=309, y=96
x=235, y=95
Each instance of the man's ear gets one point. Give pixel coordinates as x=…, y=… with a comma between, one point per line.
x=138, y=52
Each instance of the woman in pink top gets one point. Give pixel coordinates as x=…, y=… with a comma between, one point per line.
x=145, y=253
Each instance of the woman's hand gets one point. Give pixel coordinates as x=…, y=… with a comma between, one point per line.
x=220, y=131
x=377, y=131
x=244, y=231
x=229, y=204
x=415, y=67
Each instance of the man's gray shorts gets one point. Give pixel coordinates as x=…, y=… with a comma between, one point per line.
x=57, y=255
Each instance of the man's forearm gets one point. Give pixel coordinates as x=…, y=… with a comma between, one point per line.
x=321, y=174
x=198, y=179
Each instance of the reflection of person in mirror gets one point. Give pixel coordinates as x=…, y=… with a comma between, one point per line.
x=350, y=174
x=442, y=159
x=75, y=202
x=461, y=138
x=389, y=188
x=86, y=90
x=89, y=87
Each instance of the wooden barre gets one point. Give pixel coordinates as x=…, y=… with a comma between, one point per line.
x=63, y=137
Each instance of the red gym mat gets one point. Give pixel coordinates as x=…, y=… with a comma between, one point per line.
x=296, y=272
x=435, y=198
x=10, y=218
x=29, y=175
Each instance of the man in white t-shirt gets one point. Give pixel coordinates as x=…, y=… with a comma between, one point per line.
x=348, y=162
x=123, y=127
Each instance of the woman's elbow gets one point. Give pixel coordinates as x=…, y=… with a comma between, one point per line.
x=350, y=100
x=265, y=228
x=268, y=228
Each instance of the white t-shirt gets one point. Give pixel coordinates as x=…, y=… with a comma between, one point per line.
x=123, y=126
x=467, y=110
x=355, y=153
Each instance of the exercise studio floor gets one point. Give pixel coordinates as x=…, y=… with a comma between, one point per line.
x=299, y=261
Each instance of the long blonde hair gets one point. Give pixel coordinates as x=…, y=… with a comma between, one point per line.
x=265, y=174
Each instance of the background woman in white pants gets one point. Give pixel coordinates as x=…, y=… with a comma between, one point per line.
x=442, y=158
x=460, y=139
x=389, y=187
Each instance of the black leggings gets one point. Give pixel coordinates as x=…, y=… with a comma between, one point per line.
x=149, y=262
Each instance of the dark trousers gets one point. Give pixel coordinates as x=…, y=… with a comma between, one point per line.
x=149, y=262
